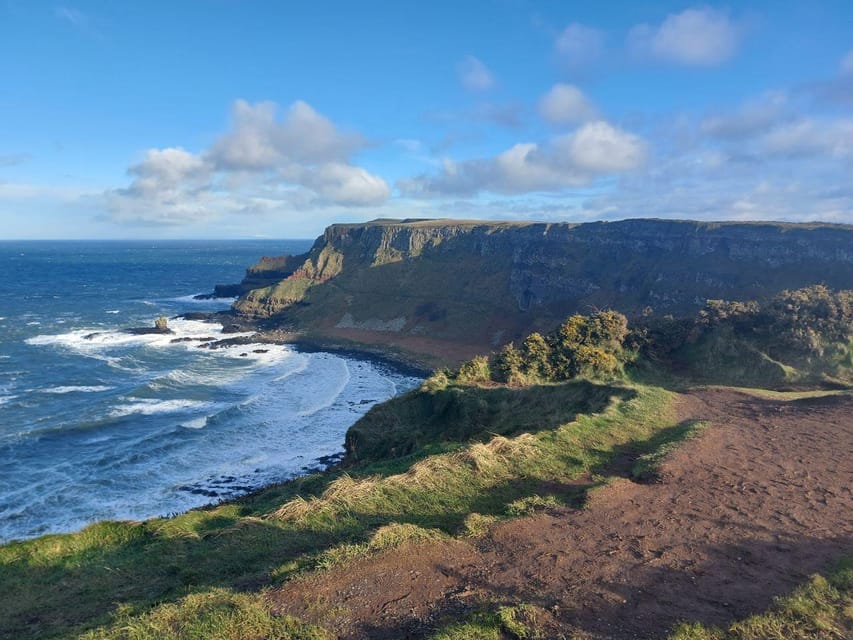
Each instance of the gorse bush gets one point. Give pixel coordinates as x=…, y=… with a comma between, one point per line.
x=810, y=329
x=590, y=346
x=798, y=335
x=810, y=320
x=476, y=370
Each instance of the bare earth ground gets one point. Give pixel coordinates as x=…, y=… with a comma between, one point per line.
x=743, y=513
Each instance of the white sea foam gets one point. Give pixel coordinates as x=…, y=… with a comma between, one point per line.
x=101, y=345
x=6, y=399
x=113, y=311
x=77, y=389
x=263, y=355
x=301, y=368
x=34, y=323
x=92, y=339
x=188, y=377
x=331, y=394
x=195, y=423
x=147, y=407
x=191, y=299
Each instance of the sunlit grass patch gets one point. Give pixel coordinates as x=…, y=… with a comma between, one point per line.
x=822, y=609
x=215, y=615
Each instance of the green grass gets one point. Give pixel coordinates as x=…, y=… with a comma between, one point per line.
x=61, y=585
x=518, y=622
x=461, y=412
x=822, y=609
x=216, y=615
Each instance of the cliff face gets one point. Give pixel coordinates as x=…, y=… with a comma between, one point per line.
x=480, y=283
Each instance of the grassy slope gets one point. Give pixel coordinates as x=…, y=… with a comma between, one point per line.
x=114, y=573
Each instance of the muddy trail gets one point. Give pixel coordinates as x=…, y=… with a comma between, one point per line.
x=745, y=512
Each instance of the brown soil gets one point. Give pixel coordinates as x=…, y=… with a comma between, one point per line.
x=741, y=514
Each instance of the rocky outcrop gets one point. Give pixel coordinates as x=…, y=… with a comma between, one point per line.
x=474, y=280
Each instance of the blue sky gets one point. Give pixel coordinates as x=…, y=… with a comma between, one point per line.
x=228, y=118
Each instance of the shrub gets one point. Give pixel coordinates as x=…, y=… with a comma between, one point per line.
x=508, y=364
x=438, y=381
x=476, y=370
x=536, y=356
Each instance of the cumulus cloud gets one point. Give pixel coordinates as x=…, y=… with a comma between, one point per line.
x=474, y=75
x=262, y=163
x=579, y=46
x=698, y=37
x=784, y=168
x=168, y=169
x=339, y=183
x=259, y=140
x=570, y=160
x=566, y=104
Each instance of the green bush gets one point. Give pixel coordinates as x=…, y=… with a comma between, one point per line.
x=474, y=371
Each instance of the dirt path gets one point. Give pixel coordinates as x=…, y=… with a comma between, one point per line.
x=745, y=512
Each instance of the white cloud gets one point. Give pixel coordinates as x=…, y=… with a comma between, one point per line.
x=260, y=141
x=566, y=104
x=579, y=45
x=576, y=159
x=474, y=75
x=601, y=148
x=168, y=168
x=169, y=186
x=264, y=163
x=699, y=37
x=339, y=183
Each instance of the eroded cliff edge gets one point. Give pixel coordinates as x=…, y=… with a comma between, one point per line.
x=466, y=286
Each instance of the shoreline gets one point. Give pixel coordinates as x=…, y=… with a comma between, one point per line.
x=324, y=464
x=399, y=359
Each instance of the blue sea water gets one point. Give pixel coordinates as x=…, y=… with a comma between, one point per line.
x=98, y=424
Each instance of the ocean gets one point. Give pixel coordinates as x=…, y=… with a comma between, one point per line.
x=98, y=424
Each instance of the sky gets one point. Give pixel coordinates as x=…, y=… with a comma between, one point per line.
x=244, y=119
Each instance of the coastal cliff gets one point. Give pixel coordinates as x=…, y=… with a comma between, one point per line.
x=482, y=284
